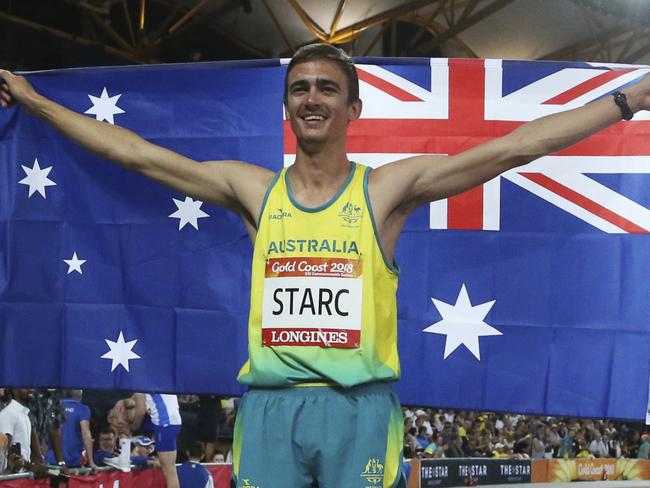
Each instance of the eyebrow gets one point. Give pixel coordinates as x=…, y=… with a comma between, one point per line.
x=327, y=82
x=320, y=82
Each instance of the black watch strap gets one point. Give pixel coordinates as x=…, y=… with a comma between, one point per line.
x=621, y=100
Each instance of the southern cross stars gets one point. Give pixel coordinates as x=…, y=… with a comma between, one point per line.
x=104, y=107
x=36, y=178
x=120, y=352
x=74, y=263
x=462, y=323
x=189, y=211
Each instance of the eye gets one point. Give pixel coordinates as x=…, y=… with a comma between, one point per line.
x=297, y=89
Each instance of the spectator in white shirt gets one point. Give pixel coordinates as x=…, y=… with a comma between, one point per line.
x=597, y=447
x=15, y=424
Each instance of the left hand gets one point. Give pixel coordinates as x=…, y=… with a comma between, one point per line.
x=15, y=463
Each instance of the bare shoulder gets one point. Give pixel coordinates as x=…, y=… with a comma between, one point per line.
x=241, y=172
x=246, y=184
x=395, y=186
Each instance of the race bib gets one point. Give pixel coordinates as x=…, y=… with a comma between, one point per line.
x=312, y=302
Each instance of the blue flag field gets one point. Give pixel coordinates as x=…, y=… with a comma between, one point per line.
x=527, y=294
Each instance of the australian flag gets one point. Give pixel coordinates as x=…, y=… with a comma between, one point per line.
x=526, y=294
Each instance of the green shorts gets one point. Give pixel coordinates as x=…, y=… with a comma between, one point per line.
x=319, y=436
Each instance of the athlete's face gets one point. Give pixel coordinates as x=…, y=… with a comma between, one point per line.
x=317, y=102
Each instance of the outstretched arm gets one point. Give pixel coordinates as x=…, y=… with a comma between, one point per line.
x=231, y=184
x=429, y=178
x=397, y=188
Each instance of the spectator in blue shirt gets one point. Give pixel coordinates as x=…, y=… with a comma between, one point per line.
x=644, y=448
x=566, y=450
x=191, y=474
x=422, y=437
x=75, y=430
x=106, y=438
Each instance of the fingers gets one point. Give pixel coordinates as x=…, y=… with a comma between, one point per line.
x=5, y=97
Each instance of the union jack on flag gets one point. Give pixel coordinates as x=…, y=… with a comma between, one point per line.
x=526, y=294
x=483, y=99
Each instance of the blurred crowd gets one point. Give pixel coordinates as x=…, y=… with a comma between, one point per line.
x=48, y=431
x=437, y=433
x=42, y=429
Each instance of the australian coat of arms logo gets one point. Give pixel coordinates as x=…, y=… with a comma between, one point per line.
x=351, y=214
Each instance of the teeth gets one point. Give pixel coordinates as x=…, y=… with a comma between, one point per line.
x=314, y=117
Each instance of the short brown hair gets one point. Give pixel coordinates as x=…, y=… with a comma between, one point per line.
x=316, y=51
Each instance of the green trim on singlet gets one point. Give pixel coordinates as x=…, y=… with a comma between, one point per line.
x=353, y=168
x=392, y=267
x=266, y=197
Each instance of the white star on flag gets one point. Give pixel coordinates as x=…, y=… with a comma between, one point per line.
x=36, y=178
x=189, y=211
x=74, y=263
x=120, y=352
x=104, y=107
x=462, y=323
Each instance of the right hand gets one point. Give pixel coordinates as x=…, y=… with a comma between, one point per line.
x=39, y=469
x=15, y=89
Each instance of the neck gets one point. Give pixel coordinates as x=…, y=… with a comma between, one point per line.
x=319, y=167
x=318, y=173
x=314, y=184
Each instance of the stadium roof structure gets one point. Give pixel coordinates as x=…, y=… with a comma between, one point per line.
x=37, y=34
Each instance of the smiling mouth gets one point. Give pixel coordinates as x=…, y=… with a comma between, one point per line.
x=313, y=118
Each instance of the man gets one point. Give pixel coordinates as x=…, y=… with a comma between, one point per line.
x=538, y=444
x=46, y=415
x=159, y=414
x=191, y=474
x=142, y=452
x=100, y=403
x=597, y=447
x=136, y=452
x=566, y=449
x=207, y=420
x=343, y=323
x=106, y=438
x=75, y=431
x=644, y=448
x=4, y=440
x=423, y=439
x=17, y=427
x=436, y=449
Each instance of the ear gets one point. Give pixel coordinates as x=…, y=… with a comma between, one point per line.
x=354, y=111
x=286, y=112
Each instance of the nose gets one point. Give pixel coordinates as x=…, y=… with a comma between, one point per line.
x=313, y=96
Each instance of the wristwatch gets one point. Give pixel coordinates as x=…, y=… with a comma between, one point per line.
x=621, y=100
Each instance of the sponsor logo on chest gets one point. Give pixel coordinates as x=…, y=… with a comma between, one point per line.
x=312, y=302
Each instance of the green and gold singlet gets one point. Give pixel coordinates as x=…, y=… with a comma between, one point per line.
x=323, y=306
